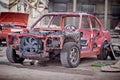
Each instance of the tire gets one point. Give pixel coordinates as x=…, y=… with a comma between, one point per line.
x=0, y=42
x=12, y=56
x=119, y=47
x=103, y=53
x=68, y=58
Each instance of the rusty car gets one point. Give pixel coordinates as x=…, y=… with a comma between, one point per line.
x=70, y=35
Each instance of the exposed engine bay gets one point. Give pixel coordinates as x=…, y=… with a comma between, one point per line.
x=44, y=32
x=49, y=40
x=32, y=45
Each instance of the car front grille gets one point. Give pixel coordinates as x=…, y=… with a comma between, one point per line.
x=31, y=45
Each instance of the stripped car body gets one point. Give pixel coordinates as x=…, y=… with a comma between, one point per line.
x=58, y=35
x=12, y=22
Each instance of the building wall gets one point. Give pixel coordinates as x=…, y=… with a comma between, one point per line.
x=96, y=7
x=82, y=6
x=4, y=5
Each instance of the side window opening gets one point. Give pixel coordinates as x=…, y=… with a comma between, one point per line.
x=73, y=21
x=85, y=24
x=95, y=25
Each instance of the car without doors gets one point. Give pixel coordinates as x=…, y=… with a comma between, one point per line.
x=70, y=35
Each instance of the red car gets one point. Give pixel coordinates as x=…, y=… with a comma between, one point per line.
x=71, y=36
x=12, y=22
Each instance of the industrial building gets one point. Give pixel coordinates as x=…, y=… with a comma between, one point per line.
x=108, y=11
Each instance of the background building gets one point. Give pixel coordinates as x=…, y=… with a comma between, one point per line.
x=108, y=11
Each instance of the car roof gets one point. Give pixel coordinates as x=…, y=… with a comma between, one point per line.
x=63, y=14
x=67, y=14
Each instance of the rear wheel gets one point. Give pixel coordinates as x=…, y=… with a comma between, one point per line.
x=0, y=42
x=70, y=55
x=103, y=52
x=12, y=56
x=119, y=47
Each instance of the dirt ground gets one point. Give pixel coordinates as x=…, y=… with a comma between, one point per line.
x=53, y=70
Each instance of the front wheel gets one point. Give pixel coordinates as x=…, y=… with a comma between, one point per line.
x=12, y=56
x=70, y=55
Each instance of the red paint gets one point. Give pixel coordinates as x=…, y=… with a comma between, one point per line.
x=19, y=20
x=94, y=37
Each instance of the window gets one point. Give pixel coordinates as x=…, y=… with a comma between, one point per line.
x=49, y=21
x=72, y=21
x=60, y=7
x=116, y=11
x=87, y=8
x=94, y=23
x=85, y=23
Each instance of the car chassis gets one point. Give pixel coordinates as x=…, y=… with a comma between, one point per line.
x=69, y=42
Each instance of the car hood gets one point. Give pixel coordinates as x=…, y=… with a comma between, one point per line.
x=20, y=19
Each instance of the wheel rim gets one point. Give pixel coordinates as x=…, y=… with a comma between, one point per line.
x=74, y=55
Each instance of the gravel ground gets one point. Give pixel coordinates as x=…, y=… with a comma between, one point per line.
x=53, y=70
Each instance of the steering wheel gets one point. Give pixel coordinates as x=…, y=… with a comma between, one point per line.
x=70, y=26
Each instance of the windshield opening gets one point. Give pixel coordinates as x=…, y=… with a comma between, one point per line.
x=49, y=22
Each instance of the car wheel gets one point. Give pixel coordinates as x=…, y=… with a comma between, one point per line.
x=0, y=42
x=12, y=56
x=70, y=55
x=103, y=52
x=119, y=47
